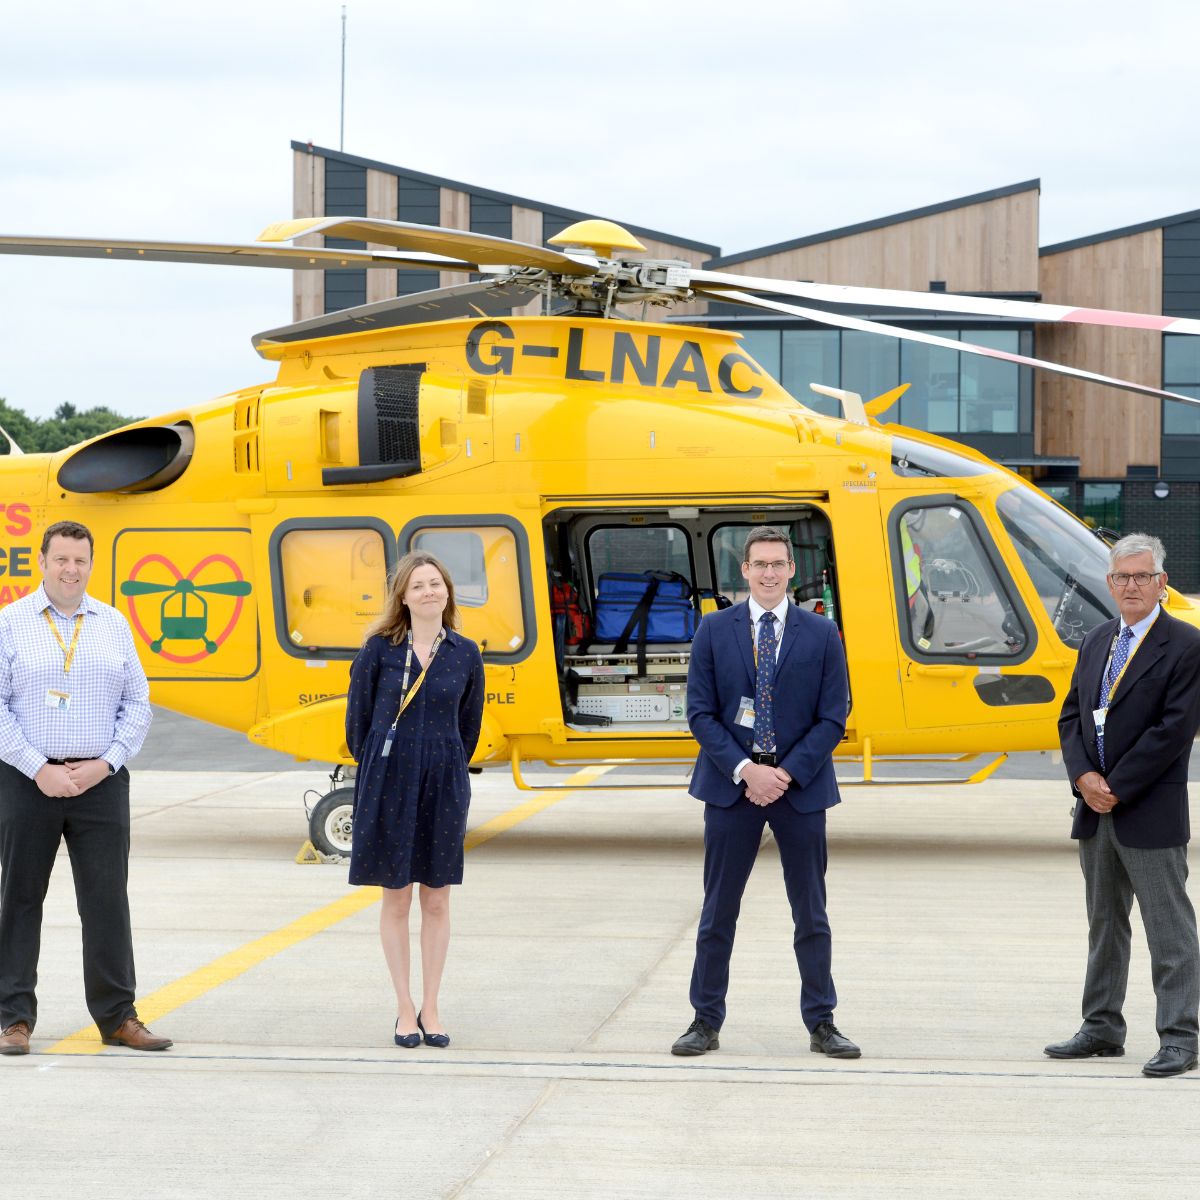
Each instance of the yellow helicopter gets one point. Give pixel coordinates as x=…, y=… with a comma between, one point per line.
x=588, y=476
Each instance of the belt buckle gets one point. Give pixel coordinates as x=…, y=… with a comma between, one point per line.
x=766, y=758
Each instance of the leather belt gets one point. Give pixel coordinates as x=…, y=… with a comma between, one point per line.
x=767, y=760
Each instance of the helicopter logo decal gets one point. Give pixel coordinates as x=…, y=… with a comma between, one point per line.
x=183, y=612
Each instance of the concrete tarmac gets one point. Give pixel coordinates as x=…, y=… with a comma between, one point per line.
x=959, y=944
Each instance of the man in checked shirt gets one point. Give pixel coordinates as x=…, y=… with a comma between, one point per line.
x=74, y=707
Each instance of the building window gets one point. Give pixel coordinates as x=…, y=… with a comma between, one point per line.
x=1102, y=504
x=932, y=401
x=763, y=346
x=811, y=356
x=1181, y=373
x=420, y=204
x=990, y=389
x=870, y=363
x=345, y=196
x=490, y=216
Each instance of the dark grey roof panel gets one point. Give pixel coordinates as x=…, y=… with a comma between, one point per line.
x=500, y=197
x=832, y=235
x=1127, y=231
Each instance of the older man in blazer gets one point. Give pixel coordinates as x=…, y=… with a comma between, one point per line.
x=767, y=701
x=1127, y=727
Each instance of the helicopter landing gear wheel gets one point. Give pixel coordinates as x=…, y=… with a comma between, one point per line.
x=331, y=822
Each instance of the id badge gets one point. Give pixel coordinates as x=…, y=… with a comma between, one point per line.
x=745, y=712
x=1100, y=715
x=58, y=700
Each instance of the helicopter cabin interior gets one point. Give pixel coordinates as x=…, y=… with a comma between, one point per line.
x=628, y=587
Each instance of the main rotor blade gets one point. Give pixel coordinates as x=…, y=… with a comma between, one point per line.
x=931, y=339
x=487, y=298
x=296, y=258
x=481, y=248
x=1022, y=310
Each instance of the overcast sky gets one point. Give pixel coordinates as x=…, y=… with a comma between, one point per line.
x=734, y=124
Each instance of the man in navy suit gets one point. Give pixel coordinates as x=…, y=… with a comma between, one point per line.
x=1127, y=727
x=767, y=701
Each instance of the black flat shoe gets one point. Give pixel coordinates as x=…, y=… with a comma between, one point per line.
x=440, y=1040
x=410, y=1041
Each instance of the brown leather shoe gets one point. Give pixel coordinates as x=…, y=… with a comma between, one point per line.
x=135, y=1036
x=14, y=1038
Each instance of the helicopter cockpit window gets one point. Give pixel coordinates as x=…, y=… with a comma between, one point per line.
x=333, y=582
x=485, y=566
x=954, y=605
x=1066, y=561
x=911, y=458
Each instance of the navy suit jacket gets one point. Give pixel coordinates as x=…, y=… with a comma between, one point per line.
x=811, y=702
x=1152, y=722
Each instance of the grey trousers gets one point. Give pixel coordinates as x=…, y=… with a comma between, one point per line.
x=1113, y=875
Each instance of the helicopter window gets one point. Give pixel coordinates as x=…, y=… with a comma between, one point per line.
x=462, y=552
x=915, y=458
x=1066, y=561
x=484, y=564
x=814, y=566
x=953, y=602
x=333, y=584
x=639, y=548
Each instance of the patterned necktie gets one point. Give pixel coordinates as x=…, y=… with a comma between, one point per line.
x=1120, y=656
x=764, y=686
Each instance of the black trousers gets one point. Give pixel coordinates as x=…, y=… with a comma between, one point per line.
x=96, y=828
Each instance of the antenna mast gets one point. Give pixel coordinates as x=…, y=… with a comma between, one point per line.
x=342, y=119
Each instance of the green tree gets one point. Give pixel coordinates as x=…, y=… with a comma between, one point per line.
x=67, y=427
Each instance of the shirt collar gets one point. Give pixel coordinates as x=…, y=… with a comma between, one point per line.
x=86, y=604
x=1139, y=630
x=780, y=610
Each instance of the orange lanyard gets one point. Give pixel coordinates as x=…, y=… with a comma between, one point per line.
x=68, y=652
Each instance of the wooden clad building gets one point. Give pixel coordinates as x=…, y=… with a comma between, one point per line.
x=1113, y=457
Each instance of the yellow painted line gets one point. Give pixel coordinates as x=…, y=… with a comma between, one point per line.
x=238, y=962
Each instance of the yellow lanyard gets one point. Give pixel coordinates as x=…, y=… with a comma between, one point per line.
x=1137, y=644
x=68, y=653
x=409, y=694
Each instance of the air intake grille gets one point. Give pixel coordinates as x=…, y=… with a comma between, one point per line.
x=397, y=394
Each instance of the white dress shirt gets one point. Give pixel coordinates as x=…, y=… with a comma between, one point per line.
x=109, y=711
x=756, y=611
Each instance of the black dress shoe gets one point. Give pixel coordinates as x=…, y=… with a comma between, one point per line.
x=826, y=1039
x=1170, y=1060
x=1083, y=1045
x=700, y=1038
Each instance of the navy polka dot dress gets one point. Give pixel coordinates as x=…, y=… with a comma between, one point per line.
x=410, y=808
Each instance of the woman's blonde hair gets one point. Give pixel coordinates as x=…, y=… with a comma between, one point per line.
x=395, y=622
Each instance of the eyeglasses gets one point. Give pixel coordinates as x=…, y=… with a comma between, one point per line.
x=1141, y=578
x=778, y=565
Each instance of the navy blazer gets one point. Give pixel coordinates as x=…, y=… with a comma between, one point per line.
x=811, y=703
x=1152, y=721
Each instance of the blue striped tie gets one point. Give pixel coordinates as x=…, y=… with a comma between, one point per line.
x=1120, y=656
x=764, y=686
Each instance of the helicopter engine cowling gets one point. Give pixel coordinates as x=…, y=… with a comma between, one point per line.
x=143, y=458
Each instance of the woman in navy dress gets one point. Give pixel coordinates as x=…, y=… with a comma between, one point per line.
x=412, y=789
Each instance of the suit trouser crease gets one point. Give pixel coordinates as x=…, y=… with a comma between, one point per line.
x=1113, y=876
x=95, y=827
x=732, y=837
